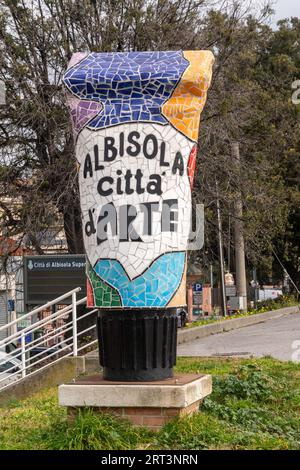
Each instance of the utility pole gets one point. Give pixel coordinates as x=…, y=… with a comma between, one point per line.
x=228, y=245
x=256, y=289
x=240, y=268
x=221, y=255
x=211, y=276
x=190, y=303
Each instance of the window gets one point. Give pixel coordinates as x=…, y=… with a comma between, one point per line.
x=5, y=366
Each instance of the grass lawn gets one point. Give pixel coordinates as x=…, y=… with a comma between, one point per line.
x=265, y=306
x=255, y=405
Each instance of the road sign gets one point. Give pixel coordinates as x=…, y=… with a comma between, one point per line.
x=230, y=291
x=24, y=323
x=197, y=287
x=235, y=303
x=10, y=305
x=197, y=298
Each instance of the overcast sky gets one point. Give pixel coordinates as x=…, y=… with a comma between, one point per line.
x=286, y=9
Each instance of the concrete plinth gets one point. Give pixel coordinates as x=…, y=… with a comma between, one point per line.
x=150, y=404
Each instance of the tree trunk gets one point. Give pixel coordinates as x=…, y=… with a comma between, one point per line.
x=73, y=229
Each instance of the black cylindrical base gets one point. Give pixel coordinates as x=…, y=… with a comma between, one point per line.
x=137, y=345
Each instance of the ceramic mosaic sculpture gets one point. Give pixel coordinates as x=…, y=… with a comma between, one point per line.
x=135, y=119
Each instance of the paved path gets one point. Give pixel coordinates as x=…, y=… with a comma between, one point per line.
x=279, y=338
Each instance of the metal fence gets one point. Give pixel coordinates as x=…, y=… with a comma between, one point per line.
x=26, y=350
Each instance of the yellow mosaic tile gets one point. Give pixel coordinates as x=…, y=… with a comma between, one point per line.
x=184, y=108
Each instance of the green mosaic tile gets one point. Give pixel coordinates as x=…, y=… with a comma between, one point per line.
x=104, y=295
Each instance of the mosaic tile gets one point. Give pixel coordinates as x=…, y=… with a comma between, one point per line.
x=154, y=288
x=131, y=86
x=135, y=118
x=186, y=104
x=81, y=112
x=101, y=294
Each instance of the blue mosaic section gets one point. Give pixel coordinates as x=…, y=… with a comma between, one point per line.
x=131, y=86
x=154, y=288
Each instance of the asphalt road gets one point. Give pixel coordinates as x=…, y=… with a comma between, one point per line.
x=279, y=338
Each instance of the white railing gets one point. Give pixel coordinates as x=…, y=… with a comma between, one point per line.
x=23, y=358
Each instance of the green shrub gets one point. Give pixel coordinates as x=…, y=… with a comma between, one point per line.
x=249, y=382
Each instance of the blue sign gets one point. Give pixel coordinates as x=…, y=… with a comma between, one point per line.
x=10, y=305
x=197, y=287
x=28, y=338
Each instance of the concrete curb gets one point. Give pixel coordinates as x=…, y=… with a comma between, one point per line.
x=135, y=395
x=190, y=334
x=55, y=374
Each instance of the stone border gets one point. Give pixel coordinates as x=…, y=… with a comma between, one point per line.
x=134, y=395
x=190, y=334
x=146, y=404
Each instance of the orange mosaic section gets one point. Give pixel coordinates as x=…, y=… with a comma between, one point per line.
x=192, y=165
x=179, y=298
x=183, y=109
x=90, y=294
